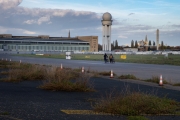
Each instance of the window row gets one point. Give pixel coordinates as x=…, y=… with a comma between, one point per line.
x=30, y=48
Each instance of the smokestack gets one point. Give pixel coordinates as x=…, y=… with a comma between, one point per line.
x=157, y=39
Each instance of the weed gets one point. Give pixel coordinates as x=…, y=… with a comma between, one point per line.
x=137, y=118
x=106, y=73
x=136, y=103
x=26, y=72
x=128, y=76
x=4, y=73
x=4, y=113
x=66, y=80
x=155, y=79
x=176, y=84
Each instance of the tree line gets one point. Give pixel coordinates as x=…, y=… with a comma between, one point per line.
x=115, y=45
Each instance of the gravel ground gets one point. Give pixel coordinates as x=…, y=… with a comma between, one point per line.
x=25, y=101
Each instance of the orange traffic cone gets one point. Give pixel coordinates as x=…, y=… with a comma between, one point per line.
x=160, y=81
x=61, y=67
x=82, y=69
x=111, y=76
x=10, y=60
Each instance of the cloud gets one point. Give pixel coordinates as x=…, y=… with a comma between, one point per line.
x=48, y=21
x=121, y=36
x=16, y=31
x=7, y=4
x=30, y=22
x=131, y=14
x=29, y=32
x=176, y=26
x=45, y=19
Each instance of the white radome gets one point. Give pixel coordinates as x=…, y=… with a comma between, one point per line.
x=107, y=16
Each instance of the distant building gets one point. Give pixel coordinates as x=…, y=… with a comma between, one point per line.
x=143, y=44
x=46, y=43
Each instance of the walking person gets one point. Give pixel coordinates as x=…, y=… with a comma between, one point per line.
x=111, y=58
x=105, y=57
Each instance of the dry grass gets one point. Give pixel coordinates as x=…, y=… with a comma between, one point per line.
x=54, y=78
x=25, y=72
x=136, y=103
x=176, y=84
x=4, y=73
x=128, y=76
x=137, y=118
x=104, y=73
x=66, y=80
x=155, y=79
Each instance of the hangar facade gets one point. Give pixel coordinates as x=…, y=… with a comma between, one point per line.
x=46, y=43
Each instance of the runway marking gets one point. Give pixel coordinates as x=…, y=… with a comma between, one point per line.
x=84, y=112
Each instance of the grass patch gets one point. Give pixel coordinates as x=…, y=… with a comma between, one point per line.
x=176, y=84
x=128, y=76
x=155, y=79
x=137, y=118
x=146, y=59
x=4, y=73
x=104, y=73
x=66, y=80
x=25, y=71
x=136, y=103
x=55, y=78
x=4, y=113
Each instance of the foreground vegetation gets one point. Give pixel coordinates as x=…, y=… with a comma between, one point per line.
x=136, y=103
x=133, y=104
x=66, y=80
x=54, y=78
x=145, y=59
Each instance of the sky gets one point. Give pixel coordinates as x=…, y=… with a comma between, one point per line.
x=132, y=19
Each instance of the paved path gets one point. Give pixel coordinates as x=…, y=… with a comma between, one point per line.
x=144, y=71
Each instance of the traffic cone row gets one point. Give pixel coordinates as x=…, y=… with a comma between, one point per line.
x=111, y=74
x=5, y=59
x=160, y=81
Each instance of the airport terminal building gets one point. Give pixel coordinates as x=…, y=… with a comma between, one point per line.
x=46, y=43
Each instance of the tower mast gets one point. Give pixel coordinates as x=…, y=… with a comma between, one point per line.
x=106, y=31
